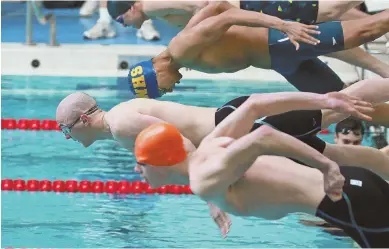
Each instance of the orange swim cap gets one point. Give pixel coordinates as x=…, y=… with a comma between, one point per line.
x=160, y=144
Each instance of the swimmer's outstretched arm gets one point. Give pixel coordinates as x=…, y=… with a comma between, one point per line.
x=211, y=22
x=371, y=90
x=361, y=156
x=240, y=121
x=163, y=8
x=222, y=171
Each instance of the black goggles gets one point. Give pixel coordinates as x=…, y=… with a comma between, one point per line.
x=346, y=131
x=67, y=129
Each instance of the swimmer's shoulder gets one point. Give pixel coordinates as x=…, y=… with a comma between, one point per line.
x=132, y=106
x=122, y=119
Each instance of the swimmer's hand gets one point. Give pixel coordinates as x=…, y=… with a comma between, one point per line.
x=298, y=32
x=349, y=105
x=333, y=181
x=221, y=219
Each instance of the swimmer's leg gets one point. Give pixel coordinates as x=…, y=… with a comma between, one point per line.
x=268, y=141
x=361, y=31
x=353, y=14
x=330, y=10
x=360, y=58
x=380, y=116
x=315, y=76
x=370, y=90
x=361, y=156
x=334, y=37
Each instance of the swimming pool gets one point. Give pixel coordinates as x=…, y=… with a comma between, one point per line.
x=99, y=220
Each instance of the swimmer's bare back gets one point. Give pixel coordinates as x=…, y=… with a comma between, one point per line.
x=133, y=115
x=235, y=50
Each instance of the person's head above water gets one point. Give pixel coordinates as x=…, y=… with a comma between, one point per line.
x=154, y=77
x=349, y=131
x=81, y=119
x=162, y=155
x=127, y=13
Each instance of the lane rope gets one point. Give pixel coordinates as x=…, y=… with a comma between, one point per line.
x=47, y=125
x=86, y=186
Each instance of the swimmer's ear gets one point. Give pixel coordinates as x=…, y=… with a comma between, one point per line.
x=84, y=119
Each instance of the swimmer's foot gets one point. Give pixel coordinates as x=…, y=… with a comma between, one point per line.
x=89, y=8
x=101, y=30
x=148, y=32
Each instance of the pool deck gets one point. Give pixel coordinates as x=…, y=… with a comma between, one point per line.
x=74, y=56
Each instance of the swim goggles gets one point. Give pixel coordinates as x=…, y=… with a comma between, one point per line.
x=346, y=131
x=67, y=129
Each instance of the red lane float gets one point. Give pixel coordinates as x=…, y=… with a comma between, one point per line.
x=85, y=186
x=29, y=124
x=46, y=125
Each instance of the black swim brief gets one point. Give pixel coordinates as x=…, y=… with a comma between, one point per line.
x=300, y=11
x=303, y=125
x=363, y=213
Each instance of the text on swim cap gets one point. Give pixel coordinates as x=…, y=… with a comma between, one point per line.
x=139, y=82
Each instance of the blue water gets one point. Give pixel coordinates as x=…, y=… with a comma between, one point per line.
x=94, y=221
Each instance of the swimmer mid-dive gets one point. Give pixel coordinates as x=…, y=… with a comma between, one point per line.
x=178, y=13
x=124, y=122
x=82, y=120
x=215, y=42
x=231, y=170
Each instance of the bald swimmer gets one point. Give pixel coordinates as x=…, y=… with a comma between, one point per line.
x=218, y=39
x=178, y=13
x=231, y=170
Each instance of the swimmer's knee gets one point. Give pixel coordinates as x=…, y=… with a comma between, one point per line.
x=369, y=33
x=364, y=31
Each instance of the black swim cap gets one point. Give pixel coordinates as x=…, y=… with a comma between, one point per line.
x=117, y=7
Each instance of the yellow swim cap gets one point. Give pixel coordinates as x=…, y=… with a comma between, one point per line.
x=160, y=144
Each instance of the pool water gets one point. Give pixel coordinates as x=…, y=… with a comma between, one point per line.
x=88, y=220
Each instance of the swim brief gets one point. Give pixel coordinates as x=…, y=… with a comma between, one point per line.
x=366, y=203
x=300, y=11
x=303, y=125
x=302, y=68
